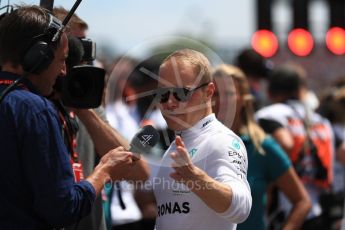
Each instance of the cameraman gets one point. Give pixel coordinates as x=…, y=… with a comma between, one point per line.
x=94, y=132
x=38, y=190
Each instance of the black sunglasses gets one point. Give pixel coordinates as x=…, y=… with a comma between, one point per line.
x=180, y=94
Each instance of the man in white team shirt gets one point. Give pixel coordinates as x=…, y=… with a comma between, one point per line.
x=202, y=181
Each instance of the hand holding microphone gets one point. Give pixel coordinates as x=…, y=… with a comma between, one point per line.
x=120, y=159
x=142, y=142
x=116, y=163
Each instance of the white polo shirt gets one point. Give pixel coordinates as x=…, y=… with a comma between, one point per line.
x=222, y=155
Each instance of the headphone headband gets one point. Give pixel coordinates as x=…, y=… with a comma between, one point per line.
x=53, y=32
x=41, y=52
x=56, y=26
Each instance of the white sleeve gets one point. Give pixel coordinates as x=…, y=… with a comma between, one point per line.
x=228, y=163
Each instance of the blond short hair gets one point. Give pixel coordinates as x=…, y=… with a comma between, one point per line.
x=199, y=62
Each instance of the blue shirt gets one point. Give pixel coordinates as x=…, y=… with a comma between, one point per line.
x=37, y=187
x=262, y=170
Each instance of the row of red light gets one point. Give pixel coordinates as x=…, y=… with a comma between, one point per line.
x=300, y=42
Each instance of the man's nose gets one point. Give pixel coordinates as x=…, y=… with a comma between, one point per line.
x=172, y=101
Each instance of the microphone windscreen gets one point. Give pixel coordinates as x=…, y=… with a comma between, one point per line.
x=144, y=140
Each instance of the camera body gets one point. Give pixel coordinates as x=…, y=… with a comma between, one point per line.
x=83, y=87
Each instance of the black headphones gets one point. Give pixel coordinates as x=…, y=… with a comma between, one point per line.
x=40, y=53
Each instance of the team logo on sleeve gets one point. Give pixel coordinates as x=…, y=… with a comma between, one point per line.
x=238, y=160
x=236, y=144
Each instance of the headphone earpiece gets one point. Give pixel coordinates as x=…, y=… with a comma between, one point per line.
x=38, y=57
x=41, y=53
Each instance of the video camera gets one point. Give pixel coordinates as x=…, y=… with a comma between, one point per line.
x=83, y=85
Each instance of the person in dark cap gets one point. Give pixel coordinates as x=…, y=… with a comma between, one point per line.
x=257, y=70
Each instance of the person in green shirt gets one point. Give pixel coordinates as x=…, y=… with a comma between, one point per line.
x=268, y=164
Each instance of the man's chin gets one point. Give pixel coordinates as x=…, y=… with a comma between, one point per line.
x=48, y=92
x=176, y=124
x=175, y=128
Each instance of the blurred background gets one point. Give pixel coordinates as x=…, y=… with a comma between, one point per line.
x=224, y=26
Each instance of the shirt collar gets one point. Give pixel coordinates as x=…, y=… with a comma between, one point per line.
x=199, y=127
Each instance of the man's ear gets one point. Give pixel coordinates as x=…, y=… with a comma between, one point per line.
x=210, y=90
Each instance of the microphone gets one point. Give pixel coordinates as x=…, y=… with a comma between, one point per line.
x=144, y=140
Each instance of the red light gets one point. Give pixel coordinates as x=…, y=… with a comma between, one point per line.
x=300, y=42
x=335, y=40
x=265, y=43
